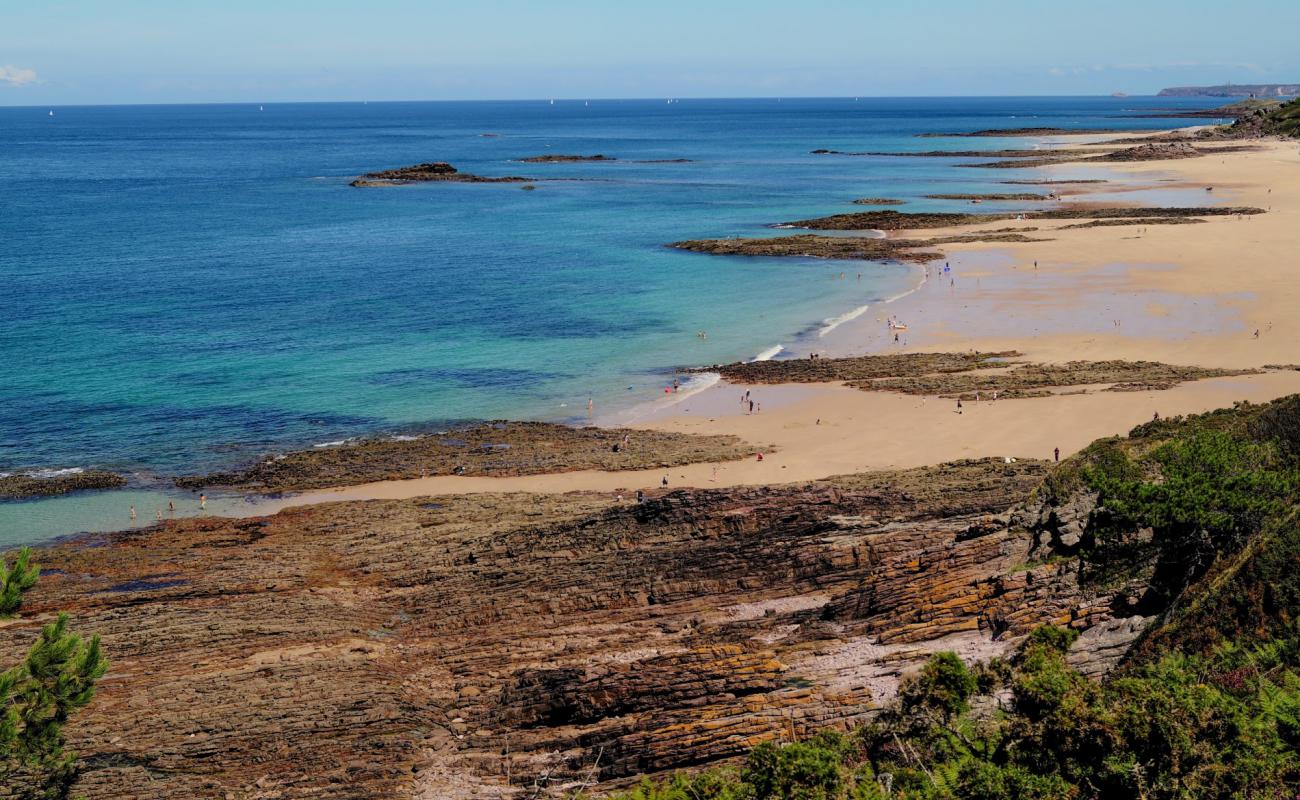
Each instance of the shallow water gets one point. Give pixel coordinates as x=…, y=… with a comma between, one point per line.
x=187, y=287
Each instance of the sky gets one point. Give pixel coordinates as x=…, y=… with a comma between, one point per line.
x=56, y=52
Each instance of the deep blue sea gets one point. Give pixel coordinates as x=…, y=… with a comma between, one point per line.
x=187, y=287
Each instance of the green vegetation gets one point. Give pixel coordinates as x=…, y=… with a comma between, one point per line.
x=37, y=697
x=1202, y=512
x=1179, y=496
x=15, y=581
x=1268, y=120
x=1226, y=725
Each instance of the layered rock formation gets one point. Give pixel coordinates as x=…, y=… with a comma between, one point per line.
x=513, y=645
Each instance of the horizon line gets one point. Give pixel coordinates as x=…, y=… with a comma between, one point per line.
x=588, y=99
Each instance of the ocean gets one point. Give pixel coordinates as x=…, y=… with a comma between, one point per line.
x=188, y=287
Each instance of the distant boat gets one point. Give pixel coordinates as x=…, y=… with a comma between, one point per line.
x=260, y=108
x=51, y=112
x=585, y=103
x=1119, y=94
x=552, y=102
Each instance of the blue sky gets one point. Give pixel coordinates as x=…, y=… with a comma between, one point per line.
x=135, y=51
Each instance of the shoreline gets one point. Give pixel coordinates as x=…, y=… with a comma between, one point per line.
x=1082, y=266
x=1168, y=312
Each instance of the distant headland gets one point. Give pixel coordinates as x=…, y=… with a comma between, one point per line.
x=1234, y=90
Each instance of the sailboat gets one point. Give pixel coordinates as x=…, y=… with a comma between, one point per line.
x=260, y=108
x=552, y=102
x=51, y=112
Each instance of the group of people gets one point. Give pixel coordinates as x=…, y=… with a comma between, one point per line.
x=171, y=508
x=747, y=403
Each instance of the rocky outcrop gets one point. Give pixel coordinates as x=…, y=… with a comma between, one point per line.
x=999, y=132
x=903, y=220
x=501, y=646
x=485, y=449
x=878, y=201
x=47, y=483
x=812, y=246
x=991, y=196
x=430, y=172
x=968, y=376
x=1107, y=223
x=563, y=159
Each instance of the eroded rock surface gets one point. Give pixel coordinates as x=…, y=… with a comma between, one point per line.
x=497, y=448
x=488, y=646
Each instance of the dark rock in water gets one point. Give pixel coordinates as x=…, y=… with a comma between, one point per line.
x=528, y=187
x=35, y=484
x=430, y=172
x=1009, y=132
x=813, y=246
x=878, y=201
x=994, y=196
x=902, y=220
x=563, y=159
x=1054, y=182
x=666, y=161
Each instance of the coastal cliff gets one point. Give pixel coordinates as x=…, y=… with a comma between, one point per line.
x=473, y=646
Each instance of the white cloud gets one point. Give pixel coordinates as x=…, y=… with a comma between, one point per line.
x=17, y=76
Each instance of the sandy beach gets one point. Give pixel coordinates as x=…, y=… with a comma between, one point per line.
x=1181, y=294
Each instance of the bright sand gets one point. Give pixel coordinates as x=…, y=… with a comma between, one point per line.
x=1184, y=294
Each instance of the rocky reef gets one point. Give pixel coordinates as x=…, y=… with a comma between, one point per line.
x=1054, y=182
x=813, y=246
x=878, y=201
x=1017, y=132
x=563, y=159
x=23, y=485
x=966, y=375
x=1106, y=223
x=991, y=196
x=1161, y=148
x=902, y=220
x=491, y=448
x=430, y=172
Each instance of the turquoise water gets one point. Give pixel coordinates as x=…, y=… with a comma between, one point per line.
x=188, y=287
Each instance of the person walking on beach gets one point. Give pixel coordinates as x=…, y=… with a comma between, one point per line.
x=1056, y=453
x=132, y=512
x=751, y=406
x=203, y=502
x=664, y=482
x=171, y=507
